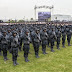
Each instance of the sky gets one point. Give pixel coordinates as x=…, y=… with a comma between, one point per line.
x=24, y=9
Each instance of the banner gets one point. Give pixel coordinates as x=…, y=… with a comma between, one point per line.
x=44, y=16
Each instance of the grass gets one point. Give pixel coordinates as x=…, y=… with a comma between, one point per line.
x=59, y=61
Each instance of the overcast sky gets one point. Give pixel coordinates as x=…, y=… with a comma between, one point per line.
x=20, y=8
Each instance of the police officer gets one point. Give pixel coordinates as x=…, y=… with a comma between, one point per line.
x=36, y=42
x=0, y=43
x=68, y=32
x=9, y=35
x=58, y=35
x=63, y=36
x=48, y=35
x=26, y=42
x=44, y=38
x=14, y=47
x=4, y=42
x=20, y=40
x=52, y=37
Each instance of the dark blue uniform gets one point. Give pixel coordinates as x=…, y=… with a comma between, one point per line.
x=63, y=37
x=4, y=42
x=26, y=42
x=58, y=35
x=52, y=37
x=68, y=32
x=14, y=48
x=36, y=43
x=0, y=44
x=44, y=39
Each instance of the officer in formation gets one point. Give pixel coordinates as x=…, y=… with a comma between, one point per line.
x=20, y=39
x=36, y=42
x=63, y=35
x=0, y=43
x=13, y=36
x=4, y=41
x=44, y=40
x=58, y=35
x=9, y=35
x=14, y=47
x=26, y=42
x=68, y=32
x=52, y=36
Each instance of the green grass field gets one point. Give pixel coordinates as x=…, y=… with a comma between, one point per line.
x=59, y=61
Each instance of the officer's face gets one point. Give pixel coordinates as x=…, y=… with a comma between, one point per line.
x=14, y=34
x=19, y=31
x=27, y=33
x=45, y=30
x=37, y=31
x=8, y=31
x=53, y=29
x=4, y=33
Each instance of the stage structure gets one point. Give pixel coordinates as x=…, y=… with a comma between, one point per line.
x=40, y=7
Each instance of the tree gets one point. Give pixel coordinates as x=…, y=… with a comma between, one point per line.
x=21, y=21
x=31, y=19
x=1, y=21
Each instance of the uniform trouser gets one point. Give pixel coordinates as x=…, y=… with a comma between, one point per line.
x=5, y=52
x=0, y=47
x=36, y=48
x=4, y=49
x=14, y=54
x=44, y=47
x=48, y=42
x=26, y=50
x=63, y=40
x=68, y=39
x=9, y=46
x=20, y=45
x=58, y=42
x=52, y=44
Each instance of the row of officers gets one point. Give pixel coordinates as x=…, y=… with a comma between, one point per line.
x=12, y=41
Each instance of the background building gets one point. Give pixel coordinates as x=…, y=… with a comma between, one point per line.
x=59, y=17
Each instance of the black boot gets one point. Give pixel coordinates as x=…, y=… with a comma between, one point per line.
x=52, y=50
x=4, y=58
x=37, y=56
x=58, y=48
x=63, y=46
x=7, y=58
x=26, y=60
x=14, y=63
x=69, y=44
x=44, y=52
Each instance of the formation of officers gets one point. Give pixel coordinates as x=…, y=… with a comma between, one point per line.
x=13, y=36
